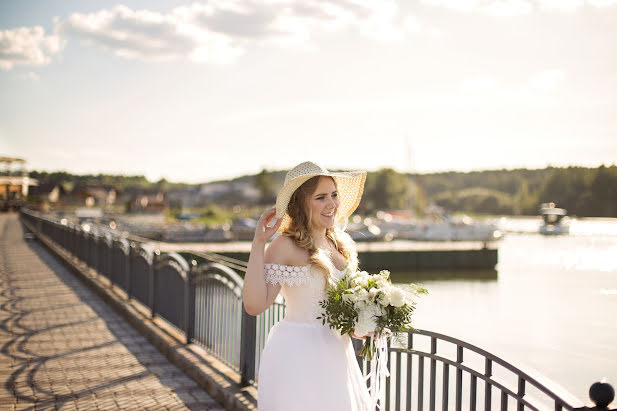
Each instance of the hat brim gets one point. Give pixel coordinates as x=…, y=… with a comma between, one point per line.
x=349, y=184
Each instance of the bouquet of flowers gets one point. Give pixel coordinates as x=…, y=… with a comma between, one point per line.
x=368, y=306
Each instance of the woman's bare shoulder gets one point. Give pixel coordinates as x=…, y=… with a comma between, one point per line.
x=283, y=250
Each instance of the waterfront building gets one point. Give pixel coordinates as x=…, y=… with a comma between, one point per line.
x=14, y=183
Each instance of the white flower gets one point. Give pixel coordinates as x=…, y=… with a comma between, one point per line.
x=361, y=278
x=362, y=295
x=384, y=299
x=397, y=297
x=372, y=293
x=365, y=324
x=360, y=306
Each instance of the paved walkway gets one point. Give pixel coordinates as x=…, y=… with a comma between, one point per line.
x=63, y=348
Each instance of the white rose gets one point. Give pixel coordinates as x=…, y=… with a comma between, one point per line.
x=384, y=299
x=382, y=283
x=360, y=306
x=362, y=295
x=365, y=324
x=397, y=297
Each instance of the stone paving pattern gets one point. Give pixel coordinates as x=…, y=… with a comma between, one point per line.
x=62, y=347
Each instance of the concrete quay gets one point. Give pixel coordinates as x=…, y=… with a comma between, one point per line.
x=396, y=256
x=64, y=347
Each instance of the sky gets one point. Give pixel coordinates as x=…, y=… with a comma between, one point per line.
x=208, y=90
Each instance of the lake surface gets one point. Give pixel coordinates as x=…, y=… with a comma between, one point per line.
x=549, y=308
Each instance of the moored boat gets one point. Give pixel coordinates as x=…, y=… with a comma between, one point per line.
x=555, y=220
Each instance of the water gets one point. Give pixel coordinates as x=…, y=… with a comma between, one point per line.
x=549, y=308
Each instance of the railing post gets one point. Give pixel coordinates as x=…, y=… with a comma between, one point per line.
x=151, y=279
x=488, y=372
x=602, y=394
x=110, y=259
x=189, y=303
x=94, y=242
x=247, y=348
x=86, y=246
x=357, y=346
x=127, y=269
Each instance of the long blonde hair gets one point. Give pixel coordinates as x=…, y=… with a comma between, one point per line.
x=299, y=230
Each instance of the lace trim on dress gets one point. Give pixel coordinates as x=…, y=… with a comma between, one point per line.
x=286, y=274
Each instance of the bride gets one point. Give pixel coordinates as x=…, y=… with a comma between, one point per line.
x=305, y=365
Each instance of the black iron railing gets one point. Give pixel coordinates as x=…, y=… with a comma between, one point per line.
x=203, y=301
x=435, y=371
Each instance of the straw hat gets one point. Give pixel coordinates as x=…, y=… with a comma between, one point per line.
x=350, y=186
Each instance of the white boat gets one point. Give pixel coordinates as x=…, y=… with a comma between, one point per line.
x=555, y=220
x=459, y=229
x=443, y=227
x=367, y=231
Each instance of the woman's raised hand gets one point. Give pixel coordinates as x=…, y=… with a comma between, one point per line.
x=263, y=232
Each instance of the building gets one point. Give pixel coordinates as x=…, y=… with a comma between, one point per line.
x=14, y=183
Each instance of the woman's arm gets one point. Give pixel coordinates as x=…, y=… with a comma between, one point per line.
x=258, y=295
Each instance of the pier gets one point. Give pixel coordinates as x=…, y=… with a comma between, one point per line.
x=395, y=255
x=65, y=347
x=192, y=313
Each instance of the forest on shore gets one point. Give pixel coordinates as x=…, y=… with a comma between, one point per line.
x=583, y=191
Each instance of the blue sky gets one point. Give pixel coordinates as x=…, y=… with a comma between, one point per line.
x=207, y=90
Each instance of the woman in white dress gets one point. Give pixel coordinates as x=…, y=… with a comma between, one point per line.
x=306, y=365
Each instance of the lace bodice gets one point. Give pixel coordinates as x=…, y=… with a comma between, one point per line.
x=303, y=289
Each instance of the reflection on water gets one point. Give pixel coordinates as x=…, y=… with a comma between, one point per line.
x=549, y=308
x=402, y=277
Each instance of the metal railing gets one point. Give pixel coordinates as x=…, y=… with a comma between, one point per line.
x=203, y=301
x=436, y=371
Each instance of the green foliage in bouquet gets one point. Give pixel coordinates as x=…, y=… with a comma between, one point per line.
x=339, y=314
x=369, y=305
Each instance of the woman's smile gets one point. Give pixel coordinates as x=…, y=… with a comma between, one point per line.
x=324, y=203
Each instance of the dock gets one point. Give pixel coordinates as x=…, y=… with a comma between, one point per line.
x=396, y=255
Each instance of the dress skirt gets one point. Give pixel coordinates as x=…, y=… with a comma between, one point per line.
x=309, y=367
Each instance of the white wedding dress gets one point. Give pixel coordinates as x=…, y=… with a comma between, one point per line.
x=306, y=366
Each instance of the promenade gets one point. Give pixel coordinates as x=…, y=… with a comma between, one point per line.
x=62, y=347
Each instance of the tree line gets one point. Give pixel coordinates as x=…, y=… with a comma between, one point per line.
x=583, y=191
x=590, y=192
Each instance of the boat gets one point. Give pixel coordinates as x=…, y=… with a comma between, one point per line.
x=441, y=226
x=555, y=221
x=365, y=230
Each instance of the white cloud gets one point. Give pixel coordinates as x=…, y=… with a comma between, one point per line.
x=561, y=5
x=548, y=79
x=221, y=30
x=412, y=24
x=27, y=45
x=501, y=8
x=30, y=76
x=602, y=3
x=435, y=32
x=510, y=8
x=458, y=5
x=478, y=83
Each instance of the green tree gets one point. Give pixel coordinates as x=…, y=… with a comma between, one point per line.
x=265, y=184
x=387, y=189
x=604, y=192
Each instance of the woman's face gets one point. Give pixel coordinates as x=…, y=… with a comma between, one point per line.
x=324, y=204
